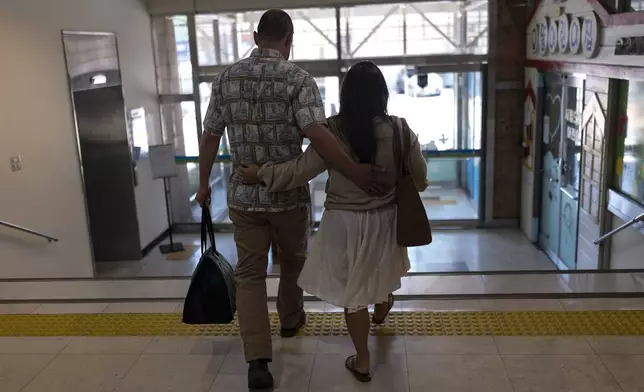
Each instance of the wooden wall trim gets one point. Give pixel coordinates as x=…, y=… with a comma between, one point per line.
x=607, y=71
x=608, y=18
x=601, y=11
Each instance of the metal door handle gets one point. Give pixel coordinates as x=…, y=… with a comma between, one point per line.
x=552, y=180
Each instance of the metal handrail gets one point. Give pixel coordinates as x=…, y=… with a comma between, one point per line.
x=637, y=219
x=28, y=231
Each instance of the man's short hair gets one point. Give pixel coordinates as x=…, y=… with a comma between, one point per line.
x=274, y=25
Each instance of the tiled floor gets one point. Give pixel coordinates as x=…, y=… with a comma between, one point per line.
x=448, y=305
x=437, y=286
x=451, y=251
x=454, y=204
x=316, y=364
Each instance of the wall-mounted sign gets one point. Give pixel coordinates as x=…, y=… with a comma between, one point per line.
x=543, y=37
x=534, y=40
x=590, y=35
x=566, y=34
x=552, y=36
x=574, y=36
x=563, y=33
x=630, y=46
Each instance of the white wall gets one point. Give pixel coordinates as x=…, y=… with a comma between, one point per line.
x=36, y=122
x=627, y=248
x=527, y=221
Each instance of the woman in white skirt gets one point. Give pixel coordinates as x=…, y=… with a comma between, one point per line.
x=355, y=260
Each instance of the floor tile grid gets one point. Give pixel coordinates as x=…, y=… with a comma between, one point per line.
x=123, y=377
x=208, y=387
x=116, y=387
x=605, y=365
x=562, y=362
x=544, y=367
x=485, y=250
x=505, y=367
x=573, y=373
x=636, y=354
x=36, y=374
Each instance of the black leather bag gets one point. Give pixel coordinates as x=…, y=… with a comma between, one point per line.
x=211, y=296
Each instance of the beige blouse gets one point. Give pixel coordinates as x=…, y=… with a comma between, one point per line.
x=342, y=193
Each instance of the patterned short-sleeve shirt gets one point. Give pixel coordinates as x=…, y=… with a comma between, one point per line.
x=264, y=103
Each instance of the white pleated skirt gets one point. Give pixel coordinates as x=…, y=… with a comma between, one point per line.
x=355, y=260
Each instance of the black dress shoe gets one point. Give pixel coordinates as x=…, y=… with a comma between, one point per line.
x=292, y=332
x=259, y=377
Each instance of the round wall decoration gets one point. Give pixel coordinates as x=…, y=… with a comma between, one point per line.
x=574, y=36
x=563, y=33
x=590, y=35
x=543, y=37
x=534, y=40
x=552, y=36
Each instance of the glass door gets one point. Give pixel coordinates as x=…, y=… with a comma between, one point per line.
x=571, y=168
x=444, y=108
x=445, y=111
x=561, y=157
x=551, y=167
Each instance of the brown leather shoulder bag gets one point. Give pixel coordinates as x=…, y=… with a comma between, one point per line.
x=412, y=227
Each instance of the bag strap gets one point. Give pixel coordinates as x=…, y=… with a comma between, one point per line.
x=406, y=147
x=401, y=148
x=207, y=231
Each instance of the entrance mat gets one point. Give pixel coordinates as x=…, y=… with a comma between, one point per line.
x=332, y=324
x=186, y=254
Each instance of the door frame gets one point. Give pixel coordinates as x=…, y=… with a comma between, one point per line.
x=322, y=69
x=565, y=80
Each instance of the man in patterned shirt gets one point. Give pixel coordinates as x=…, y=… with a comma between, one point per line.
x=267, y=105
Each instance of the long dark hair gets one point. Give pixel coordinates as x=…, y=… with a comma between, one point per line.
x=363, y=98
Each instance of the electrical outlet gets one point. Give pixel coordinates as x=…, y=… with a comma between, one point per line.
x=16, y=163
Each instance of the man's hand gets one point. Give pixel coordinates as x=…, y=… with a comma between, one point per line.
x=370, y=179
x=203, y=196
x=249, y=174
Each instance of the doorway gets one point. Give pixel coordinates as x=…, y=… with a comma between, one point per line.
x=561, y=165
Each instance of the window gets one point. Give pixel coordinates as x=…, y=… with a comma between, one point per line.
x=172, y=52
x=443, y=106
x=179, y=126
x=414, y=29
x=225, y=38
x=637, y=5
x=630, y=145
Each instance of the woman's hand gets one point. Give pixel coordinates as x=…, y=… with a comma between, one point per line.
x=249, y=174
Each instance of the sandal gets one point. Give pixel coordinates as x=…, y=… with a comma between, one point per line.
x=350, y=365
x=384, y=318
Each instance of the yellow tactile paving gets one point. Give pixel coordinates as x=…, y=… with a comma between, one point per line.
x=332, y=324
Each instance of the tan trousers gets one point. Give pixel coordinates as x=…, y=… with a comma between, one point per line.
x=253, y=234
